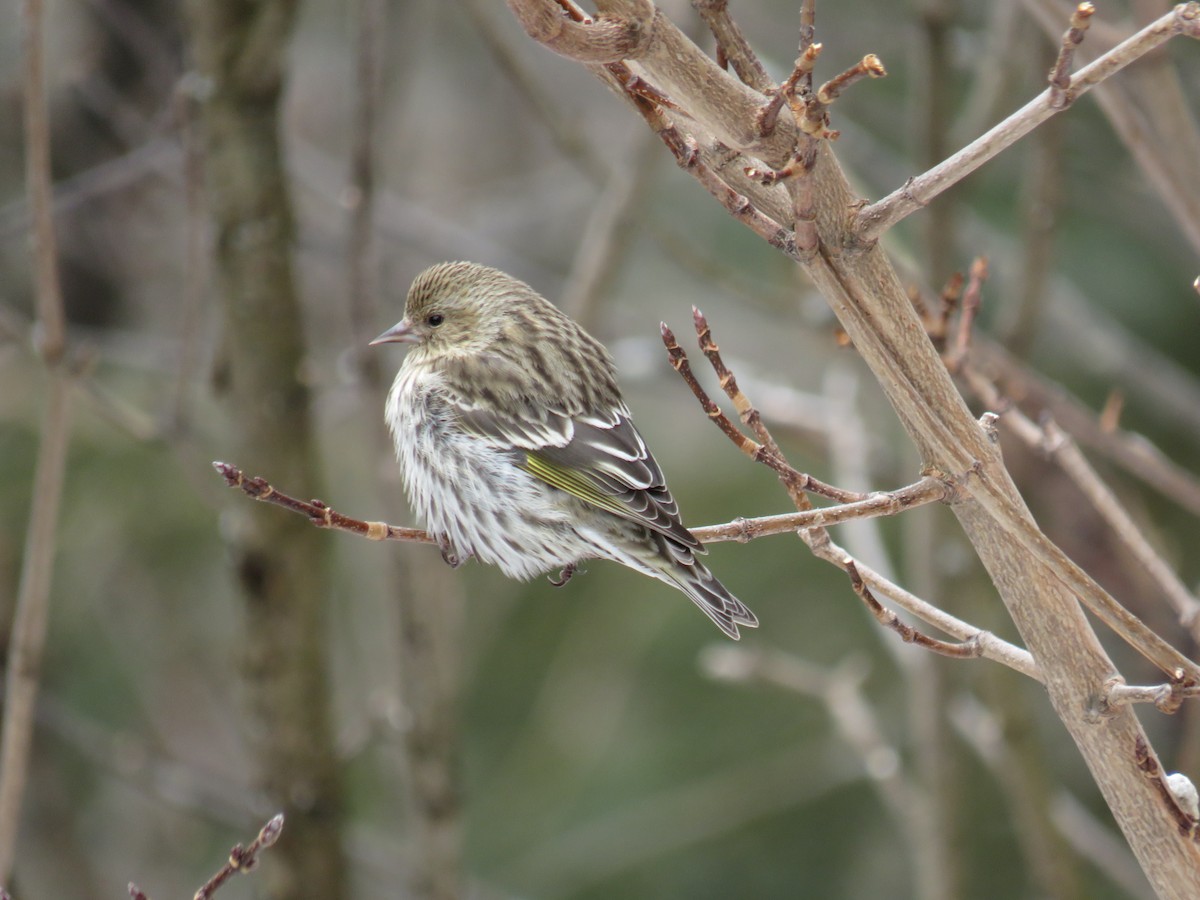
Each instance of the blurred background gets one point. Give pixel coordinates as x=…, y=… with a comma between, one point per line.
x=609, y=742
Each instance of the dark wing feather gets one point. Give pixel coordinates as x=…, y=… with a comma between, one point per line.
x=614, y=459
x=600, y=460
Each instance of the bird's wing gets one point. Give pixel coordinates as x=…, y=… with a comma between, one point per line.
x=600, y=459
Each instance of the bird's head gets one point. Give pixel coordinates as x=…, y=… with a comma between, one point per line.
x=459, y=307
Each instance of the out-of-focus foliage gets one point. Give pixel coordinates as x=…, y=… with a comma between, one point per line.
x=600, y=761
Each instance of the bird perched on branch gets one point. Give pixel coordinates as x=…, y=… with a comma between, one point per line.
x=517, y=448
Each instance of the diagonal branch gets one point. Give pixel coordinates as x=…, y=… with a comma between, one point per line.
x=1050, y=438
x=873, y=220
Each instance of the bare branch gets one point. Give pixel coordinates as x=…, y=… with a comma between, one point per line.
x=927, y=490
x=1133, y=452
x=755, y=450
x=814, y=534
x=1059, y=78
x=1128, y=626
x=1067, y=454
x=27, y=640
x=966, y=320
x=316, y=511
x=1053, y=440
x=990, y=646
x=241, y=860
x=732, y=44
x=1166, y=698
x=871, y=221
x=38, y=185
x=1150, y=114
x=968, y=649
x=31, y=613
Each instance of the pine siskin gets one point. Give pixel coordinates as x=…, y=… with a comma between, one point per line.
x=516, y=446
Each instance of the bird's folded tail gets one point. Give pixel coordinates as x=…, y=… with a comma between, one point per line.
x=713, y=598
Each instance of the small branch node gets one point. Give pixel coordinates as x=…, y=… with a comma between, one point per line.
x=869, y=66
x=989, y=422
x=1145, y=761
x=241, y=859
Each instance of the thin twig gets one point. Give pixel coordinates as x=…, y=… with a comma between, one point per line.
x=26, y=642
x=1152, y=117
x=316, y=511
x=870, y=66
x=927, y=490
x=38, y=185
x=688, y=157
x=1051, y=439
x=31, y=613
x=808, y=36
x=1128, y=626
x=968, y=649
x=970, y=309
x=1133, y=452
x=871, y=221
x=990, y=646
x=801, y=70
x=1067, y=454
x=755, y=450
x=815, y=536
x=1060, y=79
x=241, y=860
x=1166, y=698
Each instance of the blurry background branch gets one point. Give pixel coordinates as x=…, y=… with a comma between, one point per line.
x=281, y=566
x=31, y=612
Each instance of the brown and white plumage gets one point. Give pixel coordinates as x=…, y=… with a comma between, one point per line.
x=515, y=444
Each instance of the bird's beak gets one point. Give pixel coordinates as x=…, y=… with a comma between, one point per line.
x=400, y=333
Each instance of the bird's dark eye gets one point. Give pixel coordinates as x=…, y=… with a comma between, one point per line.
x=435, y=320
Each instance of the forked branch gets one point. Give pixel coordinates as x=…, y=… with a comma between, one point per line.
x=873, y=220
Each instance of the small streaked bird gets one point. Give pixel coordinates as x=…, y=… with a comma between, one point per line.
x=516, y=447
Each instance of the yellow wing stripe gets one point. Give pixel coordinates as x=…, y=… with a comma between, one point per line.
x=571, y=482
